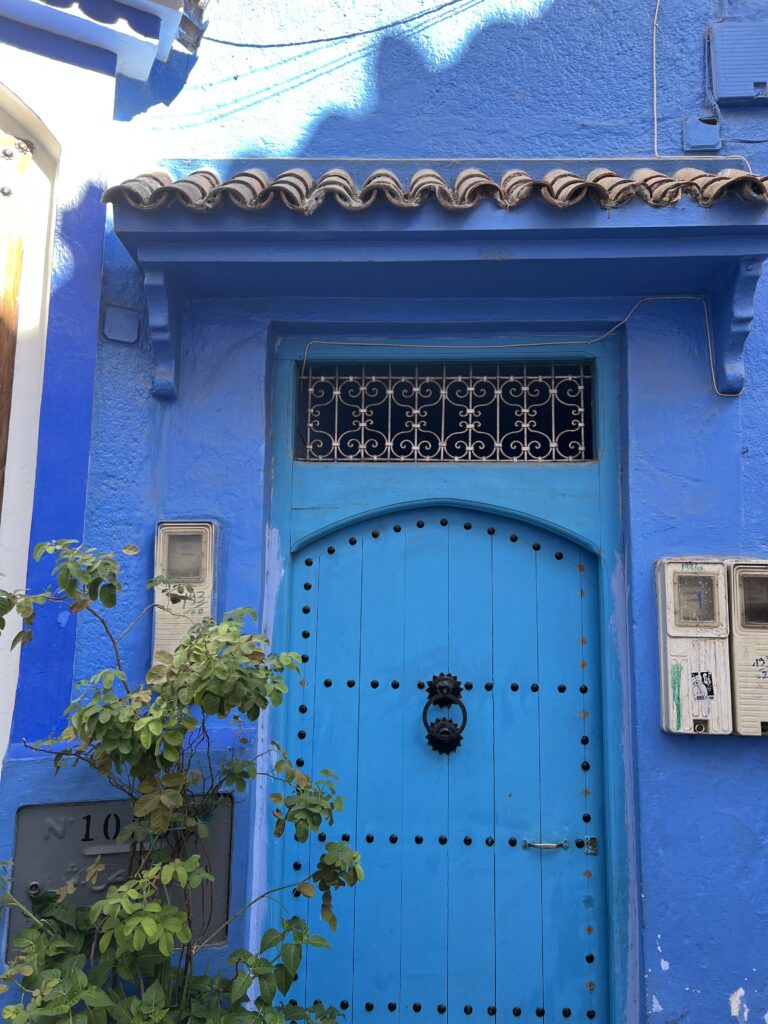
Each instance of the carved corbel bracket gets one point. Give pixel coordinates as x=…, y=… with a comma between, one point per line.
x=164, y=316
x=733, y=309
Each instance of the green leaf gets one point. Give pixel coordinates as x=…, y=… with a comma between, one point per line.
x=108, y=595
x=145, y=805
x=271, y=938
x=95, y=997
x=154, y=996
x=291, y=956
x=240, y=985
x=284, y=978
x=131, y=550
x=326, y=912
x=268, y=988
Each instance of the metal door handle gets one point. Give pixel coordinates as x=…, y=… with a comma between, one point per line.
x=443, y=734
x=545, y=846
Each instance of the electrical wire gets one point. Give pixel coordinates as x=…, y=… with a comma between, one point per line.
x=398, y=23
x=543, y=344
x=653, y=66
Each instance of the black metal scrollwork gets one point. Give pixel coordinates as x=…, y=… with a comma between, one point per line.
x=443, y=734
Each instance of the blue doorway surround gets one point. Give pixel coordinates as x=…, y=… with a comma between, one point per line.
x=352, y=509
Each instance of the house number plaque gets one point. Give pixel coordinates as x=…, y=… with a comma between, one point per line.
x=57, y=842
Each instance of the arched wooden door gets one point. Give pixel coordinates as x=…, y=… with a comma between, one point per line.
x=462, y=913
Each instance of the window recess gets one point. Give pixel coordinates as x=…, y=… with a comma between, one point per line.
x=444, y=412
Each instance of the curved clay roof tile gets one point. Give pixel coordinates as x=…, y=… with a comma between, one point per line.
x=473, y=185
x=246, y=190
x=515, y=187
x=385, y=183
x=140, y=192
x=660, y=188
x=564, y=188
x=293, y=187
x=618, y=190
x=192, y=191
x=426, y=183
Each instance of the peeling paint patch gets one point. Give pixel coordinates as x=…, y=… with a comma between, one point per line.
x=664, y=964
x=656, y=1006
x=739, y=1010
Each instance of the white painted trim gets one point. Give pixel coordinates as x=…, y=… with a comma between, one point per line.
x=135, y=53
x=21, y=462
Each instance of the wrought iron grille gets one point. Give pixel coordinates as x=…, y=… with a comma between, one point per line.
x=445, y=412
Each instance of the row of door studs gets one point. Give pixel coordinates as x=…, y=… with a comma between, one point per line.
x=420, y=524
x=585, y=765
x=589, y=843
x=421, y=685
x=468, y=1009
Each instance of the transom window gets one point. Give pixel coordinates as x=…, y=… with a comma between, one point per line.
x=444, y=412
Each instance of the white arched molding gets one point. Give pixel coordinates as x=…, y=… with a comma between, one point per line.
x=29, y=175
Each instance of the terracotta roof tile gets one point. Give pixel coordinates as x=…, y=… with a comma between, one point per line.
x=253, y=190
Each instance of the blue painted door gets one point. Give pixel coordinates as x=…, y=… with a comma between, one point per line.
x=461, y=913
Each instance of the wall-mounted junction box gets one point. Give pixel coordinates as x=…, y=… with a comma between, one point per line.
x=694, y=653
x=738, y=60
x=748, y=581
x=184, y=552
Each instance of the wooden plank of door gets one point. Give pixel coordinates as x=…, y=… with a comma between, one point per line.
x=424, y=969
x=335, y=743
x=570, y=737
x=291, y=860
x=518, y=871
x=472, y=851
x=12, y=214
x=378, y=909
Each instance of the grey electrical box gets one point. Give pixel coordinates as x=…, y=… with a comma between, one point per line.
x=56, y=842
x=738, y=55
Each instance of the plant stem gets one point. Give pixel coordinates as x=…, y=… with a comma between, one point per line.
x=112, y=640
x=270, y=892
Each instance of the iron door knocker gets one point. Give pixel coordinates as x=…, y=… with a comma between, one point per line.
x=443, y=734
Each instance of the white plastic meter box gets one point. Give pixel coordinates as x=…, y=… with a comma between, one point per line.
x=713, y=633
x=185, y=553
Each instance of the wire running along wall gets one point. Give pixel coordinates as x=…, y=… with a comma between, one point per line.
x=444, y=412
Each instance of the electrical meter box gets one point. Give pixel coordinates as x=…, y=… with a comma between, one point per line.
x=184, y=553
x=749, y=645
x=694, y=654
x=738, y=58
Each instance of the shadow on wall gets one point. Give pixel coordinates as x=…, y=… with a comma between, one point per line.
x=164, y=84
x=547, y=82
x=511, y=92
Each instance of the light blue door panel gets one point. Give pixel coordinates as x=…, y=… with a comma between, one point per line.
x=423, y=962
x=332, y=692
x=458, y=916
x=518, y=873
x=380, y=792
x=471, y=835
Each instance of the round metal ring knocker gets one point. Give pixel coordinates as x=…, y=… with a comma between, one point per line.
x=443, y=734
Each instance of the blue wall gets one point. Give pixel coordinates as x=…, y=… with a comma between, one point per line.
x=549, y=79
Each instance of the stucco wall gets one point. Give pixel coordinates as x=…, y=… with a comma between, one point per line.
x=509, y=78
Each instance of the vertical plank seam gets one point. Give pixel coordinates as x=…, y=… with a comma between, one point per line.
x=538, y=753
x=358, y=688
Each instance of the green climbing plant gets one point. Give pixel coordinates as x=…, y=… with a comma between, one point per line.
x=134, y=954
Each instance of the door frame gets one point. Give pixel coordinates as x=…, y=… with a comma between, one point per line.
x=583, y=504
